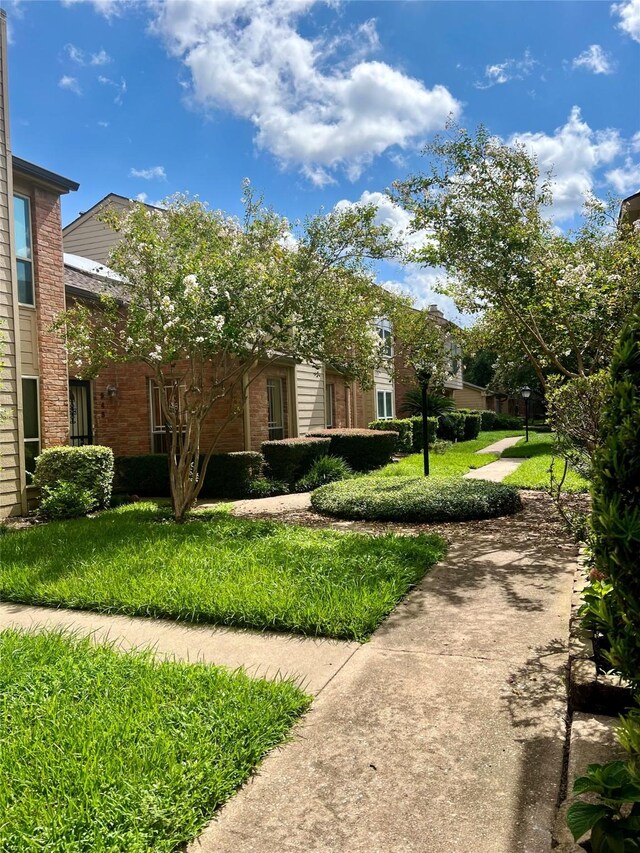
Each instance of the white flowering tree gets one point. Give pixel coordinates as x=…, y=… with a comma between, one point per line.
x=556, y=300
x=208, y=302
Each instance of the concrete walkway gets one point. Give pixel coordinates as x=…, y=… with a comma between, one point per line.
x=313, y=662
x=494, y=471
x=445, y=732
x=499, y=446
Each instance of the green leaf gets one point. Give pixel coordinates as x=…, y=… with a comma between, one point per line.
x=581, y=817
x=586, y=784
x=607, y=837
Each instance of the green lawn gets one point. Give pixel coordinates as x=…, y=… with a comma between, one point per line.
x=102, y=751
x=456, y=461
x=534, y=471
x=216, y=568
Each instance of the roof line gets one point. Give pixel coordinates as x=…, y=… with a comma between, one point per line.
x=33, y=171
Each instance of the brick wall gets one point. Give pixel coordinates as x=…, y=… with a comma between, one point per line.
x=49, y=298
x=405, y=378
x=342, y=391
x=122, y=420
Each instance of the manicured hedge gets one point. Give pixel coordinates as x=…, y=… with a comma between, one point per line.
x=228, y=475
x=487, y=420
x=402, y=426
x=416, y=424
x=472, y=425
x=289, y=459
x=88, y=468
x=416, y=499
x=362, y=449
x=507, y=422
x=451, y=426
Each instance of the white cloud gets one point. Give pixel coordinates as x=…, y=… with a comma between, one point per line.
x=503, y=72
x=391, y=214
x=625, y=179
x=315, y=103
x=151, y=174
x=629, y=14
x=103, y=124
x=108, y=8
x=594, y=59
x=74, y=53
x=100, y=58
x=121, y=87
x=142, y=197
x=421, y=284
x=574, y=152
x=635, y=141
x=69, y=83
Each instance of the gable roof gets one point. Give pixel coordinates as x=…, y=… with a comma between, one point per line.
x=103, y=202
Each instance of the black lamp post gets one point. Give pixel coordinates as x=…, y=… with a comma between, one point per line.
x=525, y=391
x=424, y=377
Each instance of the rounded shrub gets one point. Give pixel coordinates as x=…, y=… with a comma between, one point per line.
x=451, y=426
x=487, y=420
x=416, y=499
x=327, y=469
x=88, y=468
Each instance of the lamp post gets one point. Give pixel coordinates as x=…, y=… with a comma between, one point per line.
x=525, y=391
x=424, y=377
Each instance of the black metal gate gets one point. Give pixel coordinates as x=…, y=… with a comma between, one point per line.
x=80, y=424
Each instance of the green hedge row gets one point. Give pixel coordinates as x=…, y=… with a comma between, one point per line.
x=362, y=449
x=409, y=431
x=289, y=459
x=229, y=475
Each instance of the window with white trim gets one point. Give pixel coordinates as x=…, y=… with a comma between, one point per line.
x=31, y=423
x=275, y=408
x=384, y=404
x=386, y=336
x=24, y=260
x=330, y=405
x=160, y=430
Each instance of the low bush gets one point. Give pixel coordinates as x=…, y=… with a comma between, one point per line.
x=65, y=500
x=229, y=475
x=362, y=449
x=507, y=422
x=88, y=468
x=471, y=426
x=416, y=425
x=327, y=469
x=487, y=420
x=404, y=428
x=288, y=459
x=264, y=487
x=416, y=499
x=451, y=426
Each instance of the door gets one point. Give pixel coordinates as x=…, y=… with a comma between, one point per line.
x=80, y=424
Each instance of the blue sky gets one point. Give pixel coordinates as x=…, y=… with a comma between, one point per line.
x=319, y=102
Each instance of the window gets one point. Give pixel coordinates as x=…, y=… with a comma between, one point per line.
x=384, y=331
x=24, y=263
x=160, y=430
x=31, y=424
x=275, y=403
x=330, y=405
x=385, y=405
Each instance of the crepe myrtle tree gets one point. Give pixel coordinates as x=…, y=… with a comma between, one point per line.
x=208, y=302
x=560, y=298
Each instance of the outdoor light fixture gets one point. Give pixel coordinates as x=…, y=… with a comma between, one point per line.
x=525, y=392
x=424, y=373
x=111, y=391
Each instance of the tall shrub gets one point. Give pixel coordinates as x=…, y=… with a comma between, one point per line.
x=616, y=498
x=87, y=468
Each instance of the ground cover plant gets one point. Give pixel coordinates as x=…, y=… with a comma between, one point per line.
x=534, y=472
x=216, y=568
x=456, y=461
x=105, y=751
x=416, y=499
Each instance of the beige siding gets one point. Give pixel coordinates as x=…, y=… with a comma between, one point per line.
x=90, y=238
x=469, y=398
x=10, y=456
x=310, y=411
x=28, y=342
x=382, y=381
